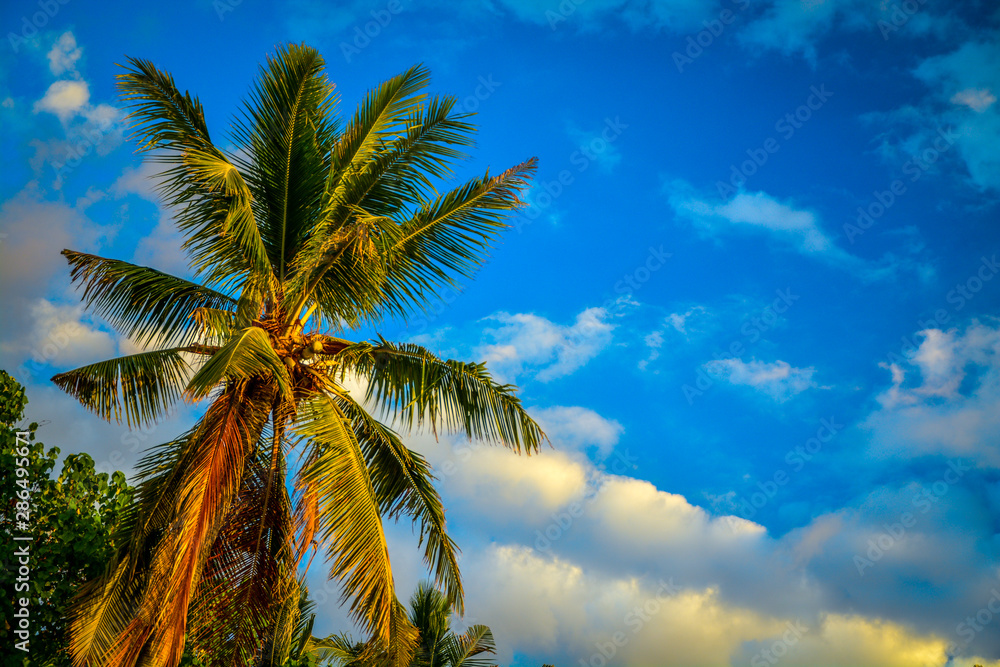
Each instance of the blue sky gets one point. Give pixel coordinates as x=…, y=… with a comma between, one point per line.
x=753, y=302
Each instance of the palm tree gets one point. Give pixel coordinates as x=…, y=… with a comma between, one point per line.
x=305, y=230
x=430, y=614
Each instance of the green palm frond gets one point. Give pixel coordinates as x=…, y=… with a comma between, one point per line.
x=247, y=354
x=404, y=484
x=417, y=388
x=288, y=122
x=461, y=650
x=349, y=520
x=141, y=387
x=212, y=203
x=142, y=303
x=449, y=237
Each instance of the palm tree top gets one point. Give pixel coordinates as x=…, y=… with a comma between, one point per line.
x=308, y=228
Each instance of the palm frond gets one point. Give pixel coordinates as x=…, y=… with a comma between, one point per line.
x=287, y=133
x=248, y=590
x=212, y=201
x=247, y=354
x=141, y=387
x=461, y=650
x=349, y=520
x=142, y=303
x=448, y=238
x=418, y=388
x=404, y=484
x=210, y=482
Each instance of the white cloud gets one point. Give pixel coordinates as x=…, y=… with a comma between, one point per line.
x=779, y=379
x=60, y=336
x=977, y=99
x=928, y=409
x=141, y=181
x=579, y=428
x=64, y=54
x=65, y=99
x=757, y=211
x=795, y=228
x=671, y=15
x=530, y=343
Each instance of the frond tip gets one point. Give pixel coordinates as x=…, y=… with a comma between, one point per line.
x=140, y=387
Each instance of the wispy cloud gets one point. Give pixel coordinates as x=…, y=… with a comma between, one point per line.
x=779, y=379
x=529, y=343
x=796, y=228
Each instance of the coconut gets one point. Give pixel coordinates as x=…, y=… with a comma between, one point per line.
x=317, y=346
x=307, y=353
x=290, y=363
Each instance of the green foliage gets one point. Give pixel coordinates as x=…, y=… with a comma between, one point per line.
x=72, y=517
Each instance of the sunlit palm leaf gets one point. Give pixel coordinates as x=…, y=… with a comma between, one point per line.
x=404, y=484
x=211, y=200
x=141, y=387
x=247, y=354
x=209, y=485
x=142, y=303
x=349, y=520
x=418, y=388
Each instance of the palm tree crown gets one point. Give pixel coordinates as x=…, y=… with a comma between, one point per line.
x=307, y=229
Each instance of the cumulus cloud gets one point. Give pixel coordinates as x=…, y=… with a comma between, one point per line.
x=529, y=343
x=944, y=397
x=779, y=380
x=65, y=99
x=64, y=54
x=570, y=550
x=580, y=428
